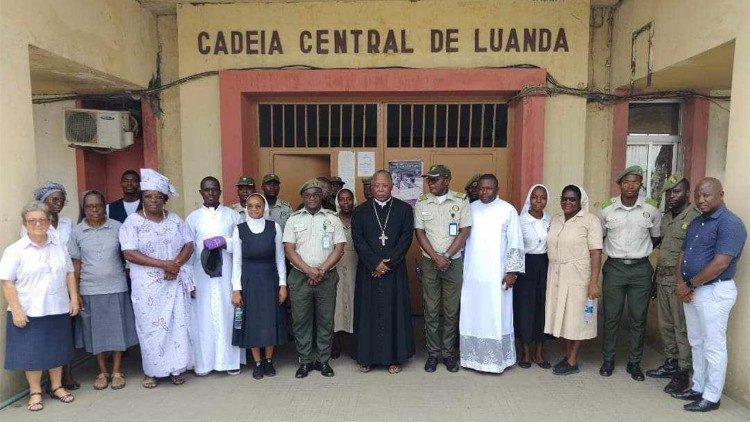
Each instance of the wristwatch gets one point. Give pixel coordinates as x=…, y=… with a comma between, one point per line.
x=689, y=283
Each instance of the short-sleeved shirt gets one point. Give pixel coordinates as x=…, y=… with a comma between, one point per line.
x=280, y=212
x=306, y=232
x=673, y=229
x=434, y=218
x=628, y=230
x=534, y=232
x=720, y=233
x=570, y=241
x=39, y=274
x=102, y=266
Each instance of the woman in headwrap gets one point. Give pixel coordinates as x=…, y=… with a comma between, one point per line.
x=259, y=285
x=157, y=243
x=574, y=247
x=531, y=287
x=53, y=195
x=343, y=319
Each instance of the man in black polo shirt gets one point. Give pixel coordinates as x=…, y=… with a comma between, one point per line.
x=705, y=282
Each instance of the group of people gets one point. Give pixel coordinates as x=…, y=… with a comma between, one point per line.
x=195, y=293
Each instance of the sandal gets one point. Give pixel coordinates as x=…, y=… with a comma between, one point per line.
x=177, y=379
x=118, y=380
x=543, y=364
x=101, y=381
x=149, y=382
x=35, y=406
x=394, y=369
x=65, y=398
x=524, y=364
x=364, y=368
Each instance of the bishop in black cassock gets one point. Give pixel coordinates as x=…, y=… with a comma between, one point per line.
x=383, y=333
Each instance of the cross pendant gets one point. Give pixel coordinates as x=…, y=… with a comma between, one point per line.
x=383, y=238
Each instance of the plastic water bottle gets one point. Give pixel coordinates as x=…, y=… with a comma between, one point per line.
x=588, y=311
x=237, y=318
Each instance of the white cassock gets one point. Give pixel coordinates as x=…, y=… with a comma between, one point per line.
x=212, y=311
x=494, y=248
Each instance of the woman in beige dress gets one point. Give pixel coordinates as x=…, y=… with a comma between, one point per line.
x=343, y=319
x=574, y=247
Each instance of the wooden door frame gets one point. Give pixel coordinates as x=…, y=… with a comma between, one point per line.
x=239, y=90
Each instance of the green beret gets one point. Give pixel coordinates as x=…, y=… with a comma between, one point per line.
x=636, y=170
x=245, y=181
x=271, y=178
x=673, y=181
x=367, y=180
x=310, y=184
x=474, y=179
x=337, y=179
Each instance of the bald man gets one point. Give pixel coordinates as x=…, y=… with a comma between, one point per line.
x=705, y=282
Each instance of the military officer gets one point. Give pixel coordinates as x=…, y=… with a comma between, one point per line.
x=245, y=187
x=472, y=187
x=278, y=210
x=630, y=224
x=672, y=327
x=336, y=185
x=442, y=221
x=314, y=242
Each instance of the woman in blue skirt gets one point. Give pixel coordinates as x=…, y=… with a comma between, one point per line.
x=259, y=285
x=39, y=285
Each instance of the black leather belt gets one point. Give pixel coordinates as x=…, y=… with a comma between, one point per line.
x=714, y=281
x=629, y=261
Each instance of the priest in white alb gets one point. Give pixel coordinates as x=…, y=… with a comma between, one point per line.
x=494, y=255
x=212, y=317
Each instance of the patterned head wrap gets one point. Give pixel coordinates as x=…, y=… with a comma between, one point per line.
x=153, y=180
x=47, y=189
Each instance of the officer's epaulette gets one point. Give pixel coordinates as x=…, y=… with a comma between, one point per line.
x=423, y=197
x=282, y=202
x=653, y=202
x=460, y=195
x=298, y=211
x=608, y=202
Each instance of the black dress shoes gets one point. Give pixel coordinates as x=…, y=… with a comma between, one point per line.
x=303, y=370
x=268, y=369
x=431, y=364
x=702, y=405
x=324, y=368
x=666, y=370
x=258, y=371
x=690, y=394
x=451, y=364
x=634, y=369
x=680, y=382
x=608, y=366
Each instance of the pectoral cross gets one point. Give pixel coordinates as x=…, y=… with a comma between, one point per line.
x=383, y=238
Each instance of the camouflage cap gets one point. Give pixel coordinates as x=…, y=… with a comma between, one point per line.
x=271, y=177
x=245, y=181
x=636, y=170
x=337, y=179
x=438, y=170
x=310, y=184
x=474, y=179
x=673, y=181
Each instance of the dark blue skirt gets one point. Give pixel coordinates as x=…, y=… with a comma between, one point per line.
x=44, y=343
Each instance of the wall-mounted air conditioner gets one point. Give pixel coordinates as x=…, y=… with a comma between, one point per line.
x=102, y=129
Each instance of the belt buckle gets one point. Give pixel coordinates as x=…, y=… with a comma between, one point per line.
x=627, y=261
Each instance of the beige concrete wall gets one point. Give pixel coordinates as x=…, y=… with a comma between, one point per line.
x=113, y=37
x=718, y=133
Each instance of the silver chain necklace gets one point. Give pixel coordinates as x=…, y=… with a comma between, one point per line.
x=382, y=236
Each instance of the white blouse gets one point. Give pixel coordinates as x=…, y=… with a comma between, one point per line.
x=39, y=274
x=535, y=233
x=256, y=225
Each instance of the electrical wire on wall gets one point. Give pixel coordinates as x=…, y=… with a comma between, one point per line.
x=552, y=88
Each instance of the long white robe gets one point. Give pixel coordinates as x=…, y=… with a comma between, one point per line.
x=494, y=248
x=212, y=311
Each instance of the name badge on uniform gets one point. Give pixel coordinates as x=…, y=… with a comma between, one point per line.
x=327, y=241
x=453, y=228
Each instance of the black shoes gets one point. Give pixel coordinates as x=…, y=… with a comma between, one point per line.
x=451, y=364
x=634, y=369
x=258, y=371
x=608, y=366
x=303, y=370
x=564, y=368
x=324, y=368
x=690, y=394
x=680, y=382
x=268, y=369
x=702, y=405
x=431, y=364
x=666, y=370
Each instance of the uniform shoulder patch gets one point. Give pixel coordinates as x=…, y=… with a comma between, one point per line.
x=423, y=197
x=461, y=195
x=608, y=202
x=653, y=202
x=298, y=212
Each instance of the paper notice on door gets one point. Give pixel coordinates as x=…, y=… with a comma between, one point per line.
x=365, y=163
x=346, y=170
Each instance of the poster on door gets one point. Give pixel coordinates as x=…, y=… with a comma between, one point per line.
x=407, y=180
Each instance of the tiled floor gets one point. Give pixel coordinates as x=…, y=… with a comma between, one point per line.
x=413, y=395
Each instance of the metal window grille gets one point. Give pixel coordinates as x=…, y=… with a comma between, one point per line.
x=466, y=125
x=317, y=125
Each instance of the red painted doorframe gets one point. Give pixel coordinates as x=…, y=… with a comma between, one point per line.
x=237, y=87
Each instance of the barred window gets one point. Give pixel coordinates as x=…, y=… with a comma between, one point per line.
x=318, y=125
x=447, y=125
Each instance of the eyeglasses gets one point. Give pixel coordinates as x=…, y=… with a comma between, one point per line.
x=37, y=221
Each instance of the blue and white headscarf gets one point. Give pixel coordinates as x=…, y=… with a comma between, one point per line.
x=47, y=189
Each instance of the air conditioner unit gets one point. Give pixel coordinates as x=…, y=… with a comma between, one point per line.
x=98, y=128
